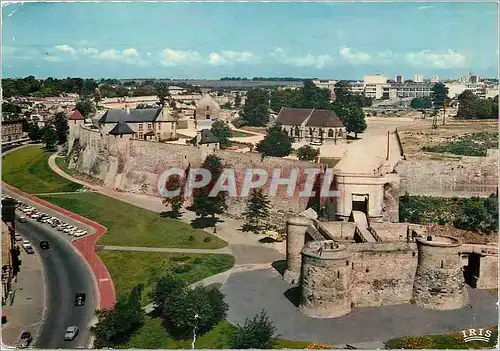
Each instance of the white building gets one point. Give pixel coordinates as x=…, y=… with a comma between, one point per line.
x=399, y=79
x=435, y=79
x=418, y=78
x=357, y=88
x=325, y=83
x=374, y=85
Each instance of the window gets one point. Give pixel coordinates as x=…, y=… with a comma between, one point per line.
x=140, y=126
x=310, y=131
x=367, y=270
x=442, y=264
x=338, y=274
x=339, y=133
x=208, y=108
x=150, y=126
x=141, y=137
x=159, y=126
x=330, y=133
x=297, y=131
x=207, y=116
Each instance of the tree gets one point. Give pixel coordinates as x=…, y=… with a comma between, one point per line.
x=116, y=325
x=421, y=103
x=165, y=287
x=86, y=107
x=257, y=333
x=256, y=109
x=276, y=143
x=352, y=116
x=163, y=93
x=175, y=202
x=203, y=204
x=307, y=153
x=237, y=100
x=61, y=125
x=49, y=137
x=494, y=107
x=257, y=211
x=34, y=132
x=222, y=131
x=342, y=92
x=440, y=99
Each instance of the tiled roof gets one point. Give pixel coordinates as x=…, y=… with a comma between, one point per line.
x=121, y=128
x=292, y=116
x=324, y=118
x=76, y=116
x=133, y=116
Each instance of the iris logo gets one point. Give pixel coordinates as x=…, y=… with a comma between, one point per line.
x=476, y=335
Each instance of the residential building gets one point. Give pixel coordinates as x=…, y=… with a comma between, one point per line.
x=206, y=113
x=435, y=79
x=480, y=89
x=12, y=130
x=311, y=124
x=418, y=78
x=156, y=124
x=357, y=87
x=474, y=79
x=325, y=84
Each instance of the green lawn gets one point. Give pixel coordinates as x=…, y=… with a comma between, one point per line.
x=445, y=341
x=153, y=336
x=239, y=134
x=61, y=163
x=27, y=169
x=129, y=268
x=129, y=225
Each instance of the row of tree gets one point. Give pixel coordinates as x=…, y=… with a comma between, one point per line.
x=54, y=131
x=421, y=103
x=473, y=107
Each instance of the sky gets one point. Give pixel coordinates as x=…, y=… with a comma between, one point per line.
x=214, y=40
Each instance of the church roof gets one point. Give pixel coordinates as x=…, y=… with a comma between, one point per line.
x=312, y=117
x=121, y=128
x=131, y=116
x=76, y=116
x=207, y=101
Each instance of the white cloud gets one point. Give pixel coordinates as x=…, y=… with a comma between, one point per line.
x=111, y=54
x=355, y=57
x=66, y=48
x=53, y=58
x=425, y=7
x=231, y=57
x=318, y=61
x=172, y=57
x=131, y=52
x=90, y=51
x=427, y=58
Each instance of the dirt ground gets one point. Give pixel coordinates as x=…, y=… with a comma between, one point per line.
x=415, y=136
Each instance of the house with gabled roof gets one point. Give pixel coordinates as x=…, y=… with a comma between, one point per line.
x=154, y=124
x=313, y=125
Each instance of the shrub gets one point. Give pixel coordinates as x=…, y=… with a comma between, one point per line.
x=257, y=333
x=318, y=347
x=207, y=239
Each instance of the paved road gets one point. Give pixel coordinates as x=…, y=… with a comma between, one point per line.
x=65, y=275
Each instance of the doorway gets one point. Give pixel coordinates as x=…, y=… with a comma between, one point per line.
x=471, y=271
x=360, y=203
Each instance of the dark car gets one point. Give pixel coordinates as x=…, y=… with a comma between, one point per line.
x=80, y=299
x=44, y=245
x=24, y=340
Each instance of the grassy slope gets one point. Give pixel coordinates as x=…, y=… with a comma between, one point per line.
x=61, y=163
x=27, y=169
x=129, y=225
x=130, y=268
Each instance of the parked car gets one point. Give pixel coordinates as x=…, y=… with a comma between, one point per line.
x=71, y=333
x=22, y=219
x=29, y=249
x=18, y=237
x=24, y=340
x=44, y=245
x=80, y=299
x=26, y=242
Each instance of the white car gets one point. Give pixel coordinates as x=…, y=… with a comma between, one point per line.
x=71, y=333
x=18, y=237
x=22, y=219
x=26, y=243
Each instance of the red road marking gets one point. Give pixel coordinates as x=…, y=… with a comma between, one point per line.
x=86, y=246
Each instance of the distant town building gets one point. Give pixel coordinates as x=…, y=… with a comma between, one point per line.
x=311, y=124
x=374, y=85
x=325, y=84
x=481, y=89
x=418, y=78
x=155, y=124
x=206, y=113
x=357, y=88
x=435, y=79
x=399, y=79
x=410, y=90
x=12, y=130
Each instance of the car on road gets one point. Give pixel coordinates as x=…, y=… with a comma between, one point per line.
x=18, y=237
x=80, y=299
x=24, y=340
x=22, y=219
x=71, y=333
x=26, y=242
x=44, y=245
x=29, y=249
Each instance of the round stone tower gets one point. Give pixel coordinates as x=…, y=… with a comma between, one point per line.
x=325, y=280
x=439, y=282
x=295, y=240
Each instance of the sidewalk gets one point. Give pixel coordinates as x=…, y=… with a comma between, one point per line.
x=27, y=310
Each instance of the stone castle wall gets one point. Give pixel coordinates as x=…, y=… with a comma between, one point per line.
x=135, y=166
x=461, y=177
